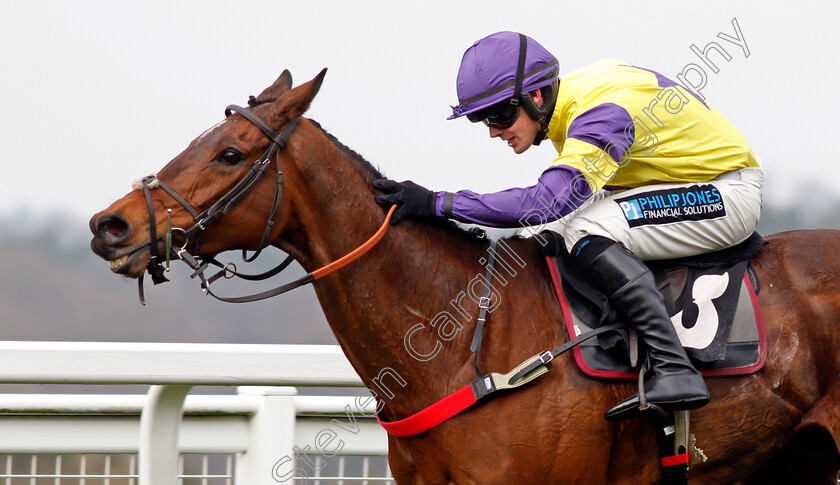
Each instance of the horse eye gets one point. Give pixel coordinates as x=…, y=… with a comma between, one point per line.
x=229, y=157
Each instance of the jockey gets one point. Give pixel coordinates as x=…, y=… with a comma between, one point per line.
x=645, y=170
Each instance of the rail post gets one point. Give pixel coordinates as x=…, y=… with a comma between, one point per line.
x=159, y=422
x=270, y=458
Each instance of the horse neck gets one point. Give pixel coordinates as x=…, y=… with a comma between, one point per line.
x=409, y=278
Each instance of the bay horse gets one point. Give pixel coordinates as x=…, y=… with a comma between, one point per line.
x=778, y=426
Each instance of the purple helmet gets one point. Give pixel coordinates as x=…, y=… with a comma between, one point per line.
x=492, y=70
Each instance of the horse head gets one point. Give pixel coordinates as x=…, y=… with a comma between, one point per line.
x=228, y=173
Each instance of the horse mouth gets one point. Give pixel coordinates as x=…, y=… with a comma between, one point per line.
x=131, y=263
x=117, y=263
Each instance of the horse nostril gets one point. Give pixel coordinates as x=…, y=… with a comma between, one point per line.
x=112, y=226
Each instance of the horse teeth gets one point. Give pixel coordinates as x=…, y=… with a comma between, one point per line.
x=116, y=263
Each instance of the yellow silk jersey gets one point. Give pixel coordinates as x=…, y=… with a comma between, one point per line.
x=624, y=126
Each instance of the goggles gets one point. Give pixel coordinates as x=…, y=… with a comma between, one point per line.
x=501, y=115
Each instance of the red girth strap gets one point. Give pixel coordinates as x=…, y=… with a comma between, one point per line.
x=482, y=387
x=675, y=460
x=433, y=415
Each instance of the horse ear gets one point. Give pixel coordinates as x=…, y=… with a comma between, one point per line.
x=295, y=102
x=280, y=86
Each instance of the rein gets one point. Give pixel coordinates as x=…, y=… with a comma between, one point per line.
x=317, y=274
x=221, y=207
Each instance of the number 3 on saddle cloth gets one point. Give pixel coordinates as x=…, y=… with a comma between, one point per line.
x=711, y=299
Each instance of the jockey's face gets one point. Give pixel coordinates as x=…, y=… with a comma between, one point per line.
x=521, y=134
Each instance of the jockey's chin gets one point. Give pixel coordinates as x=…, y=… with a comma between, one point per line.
x=521, y=146
x=520, y=135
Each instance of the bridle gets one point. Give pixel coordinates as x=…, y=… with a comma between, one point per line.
x=230, y=199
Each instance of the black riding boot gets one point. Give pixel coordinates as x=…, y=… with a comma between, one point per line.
x=674, y=384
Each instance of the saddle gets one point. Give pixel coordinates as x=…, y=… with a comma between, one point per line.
x=713, y=304
x=711, y=298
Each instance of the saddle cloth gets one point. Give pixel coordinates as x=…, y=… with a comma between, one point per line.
x=712, y=300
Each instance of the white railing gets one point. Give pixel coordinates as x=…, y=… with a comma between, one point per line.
x=272, y=431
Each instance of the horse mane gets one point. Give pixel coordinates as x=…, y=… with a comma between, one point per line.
x=365, y=168
x=370, y=173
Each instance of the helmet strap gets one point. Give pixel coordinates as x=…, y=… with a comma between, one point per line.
x=520, y=70
x=540, y=115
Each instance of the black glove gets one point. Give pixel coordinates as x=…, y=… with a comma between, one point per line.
x=411, y=199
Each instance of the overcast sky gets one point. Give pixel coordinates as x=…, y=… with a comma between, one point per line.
x=96, y=94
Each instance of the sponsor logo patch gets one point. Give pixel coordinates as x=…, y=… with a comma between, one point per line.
x=694, y=203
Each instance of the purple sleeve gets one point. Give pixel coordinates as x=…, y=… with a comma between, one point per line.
x=560, y=190
x=607, y=126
